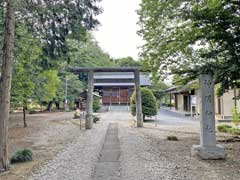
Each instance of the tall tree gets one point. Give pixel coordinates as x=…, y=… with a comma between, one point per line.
x=46, y=87
x=26, y=67
x=52, y=21
x=5, y=82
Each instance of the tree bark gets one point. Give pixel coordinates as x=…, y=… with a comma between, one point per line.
x=49, y=108
x=57, y=105
x=5, y=82
x=24, y=116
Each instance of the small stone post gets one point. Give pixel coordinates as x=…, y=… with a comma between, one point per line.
x=208, y=149
x=89, y=113
x=138, y=99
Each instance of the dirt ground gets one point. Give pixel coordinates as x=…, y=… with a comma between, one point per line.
x=46, y=134
x=49, y=133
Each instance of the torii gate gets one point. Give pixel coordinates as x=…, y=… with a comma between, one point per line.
x=90, y=71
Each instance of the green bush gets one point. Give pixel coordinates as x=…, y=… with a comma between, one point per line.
x=22, y=156
x=228, y=129
x=149, y=103
x=224, y=128
x=234, y=131
x=96, y=104
x=236, y=116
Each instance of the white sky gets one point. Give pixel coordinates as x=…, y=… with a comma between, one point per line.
x=117, y=33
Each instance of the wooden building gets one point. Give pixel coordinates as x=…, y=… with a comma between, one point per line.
x=117, y=87
x=181, y=100
x=81, y=103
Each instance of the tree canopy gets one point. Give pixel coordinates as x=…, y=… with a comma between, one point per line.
x=192, y=37
x=127, y=62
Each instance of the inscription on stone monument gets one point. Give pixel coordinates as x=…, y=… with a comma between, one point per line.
x=207, y=148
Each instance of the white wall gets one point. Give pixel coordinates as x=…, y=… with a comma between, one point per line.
x=180, y=102
x=228, y=103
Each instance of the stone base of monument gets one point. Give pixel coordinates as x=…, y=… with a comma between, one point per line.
x=206, y=153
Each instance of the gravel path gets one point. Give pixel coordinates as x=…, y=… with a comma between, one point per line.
x=145, y=154
x=77, y=161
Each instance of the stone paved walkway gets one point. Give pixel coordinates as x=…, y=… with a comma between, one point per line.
x=108, y=166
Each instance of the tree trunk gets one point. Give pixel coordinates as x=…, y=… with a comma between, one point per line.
x=57, y=105
x=24, y=116
x=5, y=82
x=49, y=108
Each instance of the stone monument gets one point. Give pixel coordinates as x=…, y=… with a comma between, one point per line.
x=208, y=149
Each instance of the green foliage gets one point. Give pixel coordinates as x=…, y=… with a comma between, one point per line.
x=22, y=156
x=55, y=21
x=158, y=87
x=48, y=82
x=236, y=116
x=189, y=37
x=87, y=54
x=96, y=104
x=228, y=129
x=74, y=87
x=25, y=67
x=127, y=62
x=149, y=103
x=51, y=37
x=223, y=128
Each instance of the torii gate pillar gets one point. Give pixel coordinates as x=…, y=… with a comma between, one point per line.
x=89, y=110
x=138, y=99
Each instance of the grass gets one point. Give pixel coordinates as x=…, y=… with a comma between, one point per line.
x=228, y=129
x=172, y=138
x=22, y=156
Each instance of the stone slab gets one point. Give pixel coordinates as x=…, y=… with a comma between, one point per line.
x=111, y=139
x=112, y=132
x=108, y=166
x=107, y=170
x=112, y=126
x=109, y=155
x=111, y=145
x=208, y=153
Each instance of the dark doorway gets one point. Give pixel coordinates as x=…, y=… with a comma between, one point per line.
x=186, y=102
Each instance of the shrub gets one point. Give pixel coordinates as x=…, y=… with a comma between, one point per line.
x=224, y=128
x=228, y=129
x=236, y=116
x=95, y=119
x=33, y=112
x=22, y=156
x=96, y=104
x=149, y=103
x=172, y=138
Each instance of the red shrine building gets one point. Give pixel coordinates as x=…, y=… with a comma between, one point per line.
x=117, y=87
